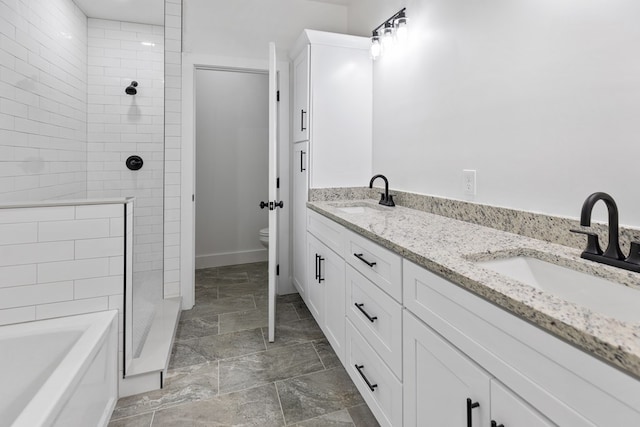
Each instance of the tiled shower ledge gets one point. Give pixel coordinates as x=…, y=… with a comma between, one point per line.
x=449, y=248
x=67, y=202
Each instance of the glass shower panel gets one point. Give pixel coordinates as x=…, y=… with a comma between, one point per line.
x=126, y=118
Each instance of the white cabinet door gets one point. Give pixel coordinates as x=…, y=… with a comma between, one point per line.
x=301, y=96
x=438, y=380
x=300, y=194
x=325, y=292
x=315, y=288
x=341, y=116
x=332, y=274
x=509, y=410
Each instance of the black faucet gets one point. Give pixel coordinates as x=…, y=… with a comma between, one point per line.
x=612, y=255
x=385, y=198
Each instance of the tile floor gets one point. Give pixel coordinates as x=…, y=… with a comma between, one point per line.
x=224, y=372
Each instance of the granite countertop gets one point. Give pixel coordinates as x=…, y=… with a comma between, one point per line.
x=449, y=248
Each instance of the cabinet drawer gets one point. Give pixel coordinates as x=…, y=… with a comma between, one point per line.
x=383, y=327
x=380, y=265
x=327, y=231
x=385, y=400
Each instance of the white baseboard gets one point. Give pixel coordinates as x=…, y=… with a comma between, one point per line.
x=231, y=258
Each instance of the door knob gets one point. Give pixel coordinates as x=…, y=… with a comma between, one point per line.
x=279, y=204
x=264, y=205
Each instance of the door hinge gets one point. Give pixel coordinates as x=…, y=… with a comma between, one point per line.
x=277, y=269
x=277, y=182
x=278, y=96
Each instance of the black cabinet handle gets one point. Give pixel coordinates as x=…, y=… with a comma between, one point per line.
x=470, y=405
x=361, y=258
x=302, y=113
x=495, y=424
x=372, y=387
x=302, y=168
x=371, y=319
x=317, y=256
x=320, y=278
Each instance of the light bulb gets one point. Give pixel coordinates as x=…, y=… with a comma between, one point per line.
x=376, y=48
x=401, y=29
x=387, y=35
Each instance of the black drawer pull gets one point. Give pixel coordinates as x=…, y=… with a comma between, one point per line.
x=371, y=319
x=302, y=153
x=495, y=424
x=470, y=405
x=320, y=278
x=372, y=387
x=361, y=258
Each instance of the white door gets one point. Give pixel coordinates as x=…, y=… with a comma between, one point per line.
x=274, y=202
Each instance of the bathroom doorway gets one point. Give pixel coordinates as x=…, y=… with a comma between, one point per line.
x=193, y=64
x=231, y=150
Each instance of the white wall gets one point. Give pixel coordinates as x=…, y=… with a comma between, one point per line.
x=232, y=147
x=121, y=125
x=43, y=95
x=540, y=97
x=172, y=148
x=242, y=28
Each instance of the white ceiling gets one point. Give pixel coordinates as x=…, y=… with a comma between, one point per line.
x=142, y=11
x=340, y=2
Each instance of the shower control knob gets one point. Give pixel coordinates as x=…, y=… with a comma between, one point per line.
x=134, y=163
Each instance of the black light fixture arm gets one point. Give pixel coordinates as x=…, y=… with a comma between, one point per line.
x=398, y=14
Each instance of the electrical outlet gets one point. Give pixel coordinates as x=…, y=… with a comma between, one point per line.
x=469, y=181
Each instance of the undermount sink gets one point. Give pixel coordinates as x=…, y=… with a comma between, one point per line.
x=358, y=208
x=353, y=209
x=600, y=295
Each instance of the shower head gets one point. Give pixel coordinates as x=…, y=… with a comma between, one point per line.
x=131, y=89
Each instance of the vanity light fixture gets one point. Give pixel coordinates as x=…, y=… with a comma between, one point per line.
x=385, y=34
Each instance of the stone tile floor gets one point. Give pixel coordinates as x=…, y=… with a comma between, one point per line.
x=224, y=372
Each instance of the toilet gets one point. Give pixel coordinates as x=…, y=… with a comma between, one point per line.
x=264, y=237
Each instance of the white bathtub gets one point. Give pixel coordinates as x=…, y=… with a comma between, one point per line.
x=59, y=372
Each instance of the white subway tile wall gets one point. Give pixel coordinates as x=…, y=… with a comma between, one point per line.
x=173, y=133
x=63, y=116
x=43, y=100
x=121, y=125
x=66, y=260
x=70, y=262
